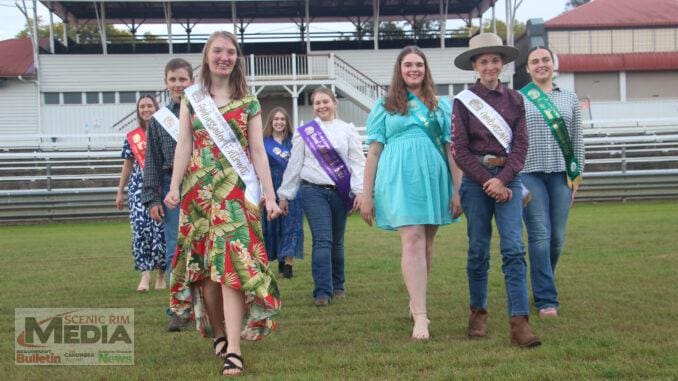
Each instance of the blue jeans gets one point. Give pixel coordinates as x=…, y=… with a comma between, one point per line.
x=479, y=209
x=546, y=219
x=326, y=217
x=171, y=222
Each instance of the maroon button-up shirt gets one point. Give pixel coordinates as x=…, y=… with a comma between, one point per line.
x=471, y=139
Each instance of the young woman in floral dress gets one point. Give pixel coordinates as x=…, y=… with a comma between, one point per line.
x=219, y=226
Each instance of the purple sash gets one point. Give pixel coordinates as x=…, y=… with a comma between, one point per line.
x=329, y=159
x=277, y=151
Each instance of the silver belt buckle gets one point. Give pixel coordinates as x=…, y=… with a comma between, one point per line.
x=486, y=161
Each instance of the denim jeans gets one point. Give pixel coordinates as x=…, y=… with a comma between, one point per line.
x=171, y=222
x=326, y=217
x=479, y=209
x=546, y=219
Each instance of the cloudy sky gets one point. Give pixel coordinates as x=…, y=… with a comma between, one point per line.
x=12, y=21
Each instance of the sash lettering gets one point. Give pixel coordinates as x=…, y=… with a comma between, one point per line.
x=558, y=128
x=277, y=151
x=137, y=143
x=428, y=123
x=494, y=122
x=168, y=121
x=224, y=138
x=313, y=135
x=489, y=117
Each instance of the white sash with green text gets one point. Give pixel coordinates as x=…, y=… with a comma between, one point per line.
x=168, y=121
x=488, y=116
x=224, y=138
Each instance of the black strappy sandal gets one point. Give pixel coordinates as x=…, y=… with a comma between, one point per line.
x=223, y=351
x=230, y=365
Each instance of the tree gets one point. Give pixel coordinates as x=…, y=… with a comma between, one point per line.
x=388, y=30
x=571, y=4
x=89, y=34
x=518, y=28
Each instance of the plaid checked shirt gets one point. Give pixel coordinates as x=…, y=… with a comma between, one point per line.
x=159, y=159
x=543, y=152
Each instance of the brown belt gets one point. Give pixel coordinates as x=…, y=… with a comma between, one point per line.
x=492, y=161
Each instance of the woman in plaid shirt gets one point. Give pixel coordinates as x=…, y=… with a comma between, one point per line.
x=552, y=172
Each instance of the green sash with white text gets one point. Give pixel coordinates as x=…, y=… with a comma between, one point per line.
x=558, y=128
x=428, y=123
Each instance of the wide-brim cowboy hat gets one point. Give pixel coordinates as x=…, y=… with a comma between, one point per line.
x=485, y=43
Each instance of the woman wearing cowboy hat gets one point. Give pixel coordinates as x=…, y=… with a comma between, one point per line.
x=489, y=143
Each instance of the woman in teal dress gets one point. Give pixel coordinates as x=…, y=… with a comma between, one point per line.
x=409, y=169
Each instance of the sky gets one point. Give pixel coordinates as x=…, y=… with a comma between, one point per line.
x=12, y=21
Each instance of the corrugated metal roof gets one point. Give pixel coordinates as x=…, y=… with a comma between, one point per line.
x=618, y=14
x=617, y=62
x=260, y=11
x=16, y=57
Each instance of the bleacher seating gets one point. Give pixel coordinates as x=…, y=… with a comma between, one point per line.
x=623, y=161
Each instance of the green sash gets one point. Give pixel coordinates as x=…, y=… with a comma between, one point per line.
x=558, y=128
x=428, y=123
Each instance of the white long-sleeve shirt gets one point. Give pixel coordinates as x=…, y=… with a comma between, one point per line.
x=304, y=166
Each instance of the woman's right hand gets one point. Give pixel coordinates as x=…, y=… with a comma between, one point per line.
x=172, y=198
x=283, y=204
x=367, y=209
x=119, y=200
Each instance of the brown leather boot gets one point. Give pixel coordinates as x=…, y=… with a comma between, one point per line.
x=477, y=323
x=521, y=333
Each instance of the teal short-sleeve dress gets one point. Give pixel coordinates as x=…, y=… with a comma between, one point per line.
x=412, y=184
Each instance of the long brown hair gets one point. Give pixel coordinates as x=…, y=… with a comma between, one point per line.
x=142, y=122
x=396, y=98
x=268, y=128
x=236, y=80
x=329, y=93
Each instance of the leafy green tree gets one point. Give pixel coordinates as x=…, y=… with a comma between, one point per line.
x=518, y=29
x=89, y=34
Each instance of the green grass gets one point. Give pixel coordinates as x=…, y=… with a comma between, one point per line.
x=618, y=282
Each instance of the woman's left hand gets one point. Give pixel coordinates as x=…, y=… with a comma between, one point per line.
x=455, y=206
x=272, y=210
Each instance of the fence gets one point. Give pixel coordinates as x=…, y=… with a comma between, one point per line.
x=622, y=163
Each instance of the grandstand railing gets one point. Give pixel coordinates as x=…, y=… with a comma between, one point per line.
x=622, y=164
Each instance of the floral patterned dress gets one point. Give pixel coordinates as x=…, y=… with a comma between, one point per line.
x=148, y=236
x=220, y=236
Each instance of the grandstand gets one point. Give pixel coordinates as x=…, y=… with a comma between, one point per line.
x=62, y=125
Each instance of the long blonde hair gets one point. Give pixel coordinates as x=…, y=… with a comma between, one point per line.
x=236, y=80
x=396, y=98
x=268, y=128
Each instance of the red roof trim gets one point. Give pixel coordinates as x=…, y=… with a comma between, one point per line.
x=16, y=57
x=618, y=14
x=617, y=62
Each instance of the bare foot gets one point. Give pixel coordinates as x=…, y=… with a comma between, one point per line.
x=420, y=330
x=160, y=283
x=145, y=281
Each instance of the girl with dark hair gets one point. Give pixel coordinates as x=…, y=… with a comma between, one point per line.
x=219, y=224
x=409, y=169
x=284, y=236
x=148, y=240
x=552, y=173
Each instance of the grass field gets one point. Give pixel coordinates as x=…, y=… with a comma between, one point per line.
x=618, y=281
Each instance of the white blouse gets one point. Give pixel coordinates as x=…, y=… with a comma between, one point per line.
x=304, y=166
